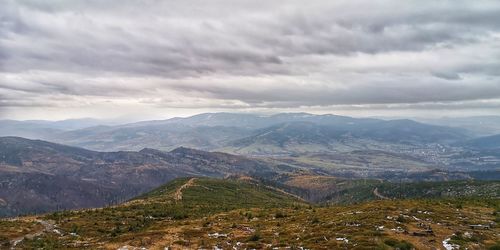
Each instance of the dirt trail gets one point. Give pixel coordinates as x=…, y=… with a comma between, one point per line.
x=379, y=195
x=287, y=193
x=178, y=193
x=47, y=227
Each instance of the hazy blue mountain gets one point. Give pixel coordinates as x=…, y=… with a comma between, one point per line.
x=32, y=130
x=302, y=132
x=40, y=129
x=218, y=131
x=487, y=142
x=223, y=131
x=210, y=119
x=72, y=124
x=405, y=131
x=253, y=121
x=299, y=137
x=164, y=136
x=480, y=125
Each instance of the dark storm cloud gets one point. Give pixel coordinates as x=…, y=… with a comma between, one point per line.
x=249, y=53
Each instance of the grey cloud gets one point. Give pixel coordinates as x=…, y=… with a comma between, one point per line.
x=458, y=105
x=25, y=101
x=447, y=75
x=245, y=54
x=256, y=43
x=368, y=93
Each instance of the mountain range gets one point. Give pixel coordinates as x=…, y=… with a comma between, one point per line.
x=90, y=166
x=241, y=133
x=488, y=142
x=478, y=125
x=38, y=176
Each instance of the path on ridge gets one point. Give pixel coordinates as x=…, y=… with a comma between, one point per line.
x=178, y=193
x=379, y=195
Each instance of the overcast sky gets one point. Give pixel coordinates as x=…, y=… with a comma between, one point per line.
x=158, y=59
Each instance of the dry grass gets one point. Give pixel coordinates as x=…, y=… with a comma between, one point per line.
x=237, y=214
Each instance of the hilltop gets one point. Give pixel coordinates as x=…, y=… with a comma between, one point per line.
x=242, y=213
x=217, y=194
x=179, y=200
x=38, y=176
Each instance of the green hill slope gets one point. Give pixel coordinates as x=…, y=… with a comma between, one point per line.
x=372, y=190
x=203, y=213
x=468, y=188
x=171, y=204
x=201, y=196
x=38, y=176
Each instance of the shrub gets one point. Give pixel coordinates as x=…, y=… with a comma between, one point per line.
x=254, y=237
x=4, y=241
x=402, y=245
x=391, y=242
x=279, y=215
x=401, y=219
x=249, y=215
x=494, y=247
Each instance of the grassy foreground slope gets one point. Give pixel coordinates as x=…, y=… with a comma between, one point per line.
x=193, y=213
x=334, y=190
x=179, y=200
x=462, y=188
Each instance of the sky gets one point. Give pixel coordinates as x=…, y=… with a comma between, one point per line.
x=150, y=59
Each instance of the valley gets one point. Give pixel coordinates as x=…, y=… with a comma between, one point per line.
x=38, y=176
x=245, y=125
x=233, y=181
x=282, y=135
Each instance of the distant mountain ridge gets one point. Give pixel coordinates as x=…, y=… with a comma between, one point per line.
x=255, y=121
x=488, y=142
x=222, y=131
x=479, y=125
x=41, y=129
x=39, y=176
x=300, y=137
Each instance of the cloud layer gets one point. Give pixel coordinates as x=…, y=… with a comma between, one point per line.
x=246, y=55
